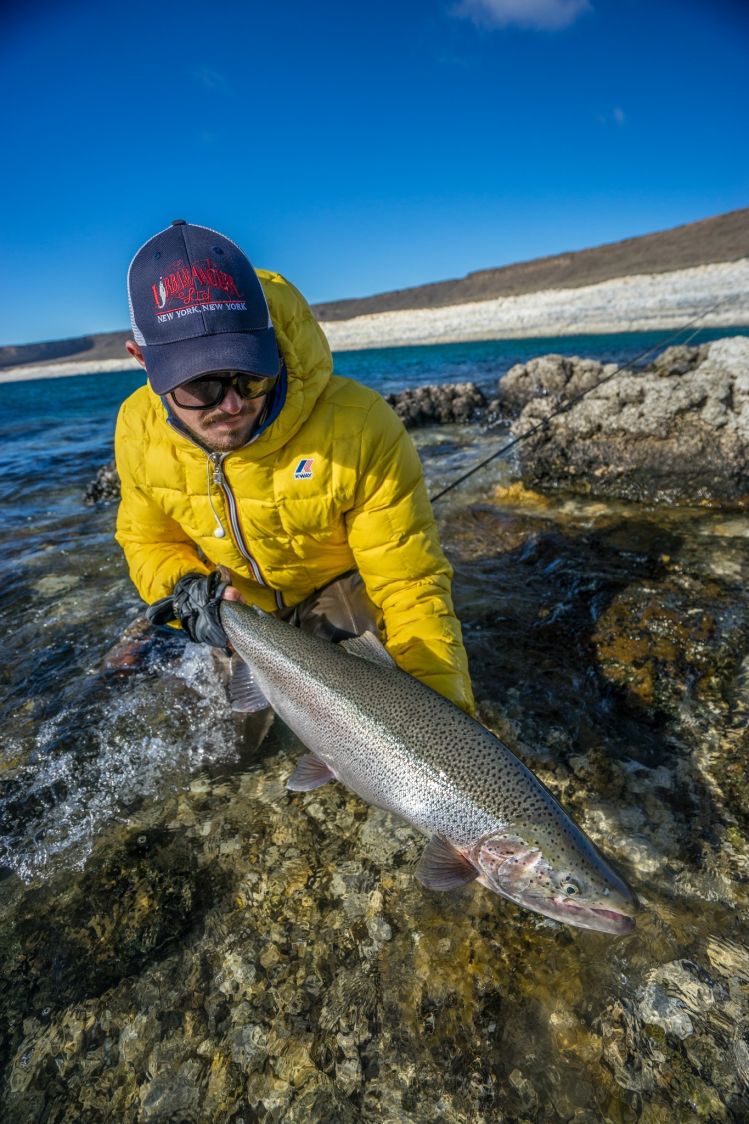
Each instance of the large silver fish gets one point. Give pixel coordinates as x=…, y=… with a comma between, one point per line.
x=401, y=746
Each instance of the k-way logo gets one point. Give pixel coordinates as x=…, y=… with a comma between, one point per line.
x=303, y=470
x=197, y=287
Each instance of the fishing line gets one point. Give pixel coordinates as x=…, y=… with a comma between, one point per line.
x=578, y=397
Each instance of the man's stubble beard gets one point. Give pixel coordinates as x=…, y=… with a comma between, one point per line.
x=217, y=442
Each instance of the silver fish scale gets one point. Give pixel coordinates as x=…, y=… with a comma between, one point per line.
x=374, y=726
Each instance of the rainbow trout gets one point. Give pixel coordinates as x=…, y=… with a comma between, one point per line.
x=398, y=744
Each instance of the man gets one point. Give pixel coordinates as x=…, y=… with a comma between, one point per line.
x=249, y=470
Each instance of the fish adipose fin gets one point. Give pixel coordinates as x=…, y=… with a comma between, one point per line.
x=310, y=773
x=369, y=647
x=246, y=697
x=442, y=867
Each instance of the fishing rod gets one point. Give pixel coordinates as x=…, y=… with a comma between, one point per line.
x=577, y=397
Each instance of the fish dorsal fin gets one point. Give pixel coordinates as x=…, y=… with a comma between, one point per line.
x=368, y=647
x=442, y=867
x=246, y=696
x=310, y=773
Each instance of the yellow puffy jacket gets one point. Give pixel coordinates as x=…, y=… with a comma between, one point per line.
x=360, y=503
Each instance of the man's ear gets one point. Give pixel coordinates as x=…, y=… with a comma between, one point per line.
x=132, y=349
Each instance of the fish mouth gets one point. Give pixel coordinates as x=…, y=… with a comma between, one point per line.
x=594, y=917
x=583, y=916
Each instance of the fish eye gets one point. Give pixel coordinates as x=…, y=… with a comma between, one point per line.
x=570, y=887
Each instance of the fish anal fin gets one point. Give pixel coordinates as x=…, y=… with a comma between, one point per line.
x=442, y=867
x=369, y=647
x=310, y=773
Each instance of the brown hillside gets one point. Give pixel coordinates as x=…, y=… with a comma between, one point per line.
x=722, y=238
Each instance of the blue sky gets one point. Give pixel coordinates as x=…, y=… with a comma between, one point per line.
x=355, y=147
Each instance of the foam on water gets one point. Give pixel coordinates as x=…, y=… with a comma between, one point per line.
x=132, y=746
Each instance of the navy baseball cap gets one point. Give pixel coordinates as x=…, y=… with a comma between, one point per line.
x=196, y=306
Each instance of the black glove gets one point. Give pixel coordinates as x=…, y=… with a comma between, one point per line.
x=194, y=603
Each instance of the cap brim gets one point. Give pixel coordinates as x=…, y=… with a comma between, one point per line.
x=170, y=364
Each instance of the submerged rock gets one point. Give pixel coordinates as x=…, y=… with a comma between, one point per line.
x=676, y=431
x=667, y=642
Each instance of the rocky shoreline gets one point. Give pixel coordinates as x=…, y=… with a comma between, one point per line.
x=676, y=430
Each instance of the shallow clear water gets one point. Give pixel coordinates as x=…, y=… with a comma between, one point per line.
x=183, y=940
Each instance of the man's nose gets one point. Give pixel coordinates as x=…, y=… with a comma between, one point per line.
x=232, y=402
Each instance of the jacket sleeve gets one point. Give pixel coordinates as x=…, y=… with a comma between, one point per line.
x=393, y=536
x=157, y=550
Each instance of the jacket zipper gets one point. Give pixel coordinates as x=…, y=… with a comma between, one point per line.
x=217, y=460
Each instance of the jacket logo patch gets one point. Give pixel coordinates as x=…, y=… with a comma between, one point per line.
x=303, y=470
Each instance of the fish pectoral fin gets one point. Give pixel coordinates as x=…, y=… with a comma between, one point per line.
x=442, y=867
x=310, y=773
x=246, y=697
x=369, y=647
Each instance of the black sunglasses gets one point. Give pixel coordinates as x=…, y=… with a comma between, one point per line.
x=210, y=390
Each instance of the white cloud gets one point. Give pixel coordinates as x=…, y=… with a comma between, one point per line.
x=543, y=15
x=212, y=79
x=616, y=117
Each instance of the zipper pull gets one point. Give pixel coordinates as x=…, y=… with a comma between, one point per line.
x=216, y=460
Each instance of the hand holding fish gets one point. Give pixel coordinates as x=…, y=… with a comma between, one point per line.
x=194, y=603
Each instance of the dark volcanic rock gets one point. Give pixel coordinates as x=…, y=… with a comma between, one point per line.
x=105, y=486
x=430, y=405
x=678, y=431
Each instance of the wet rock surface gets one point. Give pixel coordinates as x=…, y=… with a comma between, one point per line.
x=105, y=487
x=438, y=405
x=557, y=377
x=675, y=431
x=231, y=952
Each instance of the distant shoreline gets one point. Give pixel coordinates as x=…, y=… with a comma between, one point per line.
x=639, y=303
x=67, y=370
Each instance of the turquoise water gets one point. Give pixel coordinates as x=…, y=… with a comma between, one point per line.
x=390, y=369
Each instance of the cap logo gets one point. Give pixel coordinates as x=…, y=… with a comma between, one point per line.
x=195, y=287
